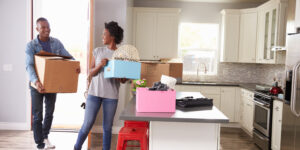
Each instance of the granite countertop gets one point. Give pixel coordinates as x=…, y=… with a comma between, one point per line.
x=248, y=86
x=199, y=114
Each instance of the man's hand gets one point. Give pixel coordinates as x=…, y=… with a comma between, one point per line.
x=122, y=80
x=39, y=86
x=78, y=70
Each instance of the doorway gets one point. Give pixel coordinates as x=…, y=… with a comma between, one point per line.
x=69, y=22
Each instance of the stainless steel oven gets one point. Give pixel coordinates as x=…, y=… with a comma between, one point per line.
x=262, y=120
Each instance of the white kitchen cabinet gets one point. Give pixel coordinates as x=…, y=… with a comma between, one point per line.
x=230, y=35
x=228, y=102
x=276, y=124
x=224, y=98
x=247, y=110
x=297, y=15
x=155, y=32
x=216, y=99
x=249, y=35
x=271, y=32
x=238, y=107
x=247, y=40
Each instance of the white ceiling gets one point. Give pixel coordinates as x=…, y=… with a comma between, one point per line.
x=217, y=1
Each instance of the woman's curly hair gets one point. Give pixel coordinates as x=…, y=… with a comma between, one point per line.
x=115, y=30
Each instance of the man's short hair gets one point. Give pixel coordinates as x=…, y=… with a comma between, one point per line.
x=41, y=19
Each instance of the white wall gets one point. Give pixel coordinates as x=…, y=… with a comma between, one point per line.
x=119, y=11
x=15, y=99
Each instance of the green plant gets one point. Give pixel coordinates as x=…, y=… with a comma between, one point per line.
x=139, y=83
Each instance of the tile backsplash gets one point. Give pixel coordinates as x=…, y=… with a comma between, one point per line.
x=241, y=73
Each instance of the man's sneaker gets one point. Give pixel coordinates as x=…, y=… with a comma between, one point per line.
x=48, y=144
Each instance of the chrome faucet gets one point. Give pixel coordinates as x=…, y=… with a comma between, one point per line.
x=202, y=65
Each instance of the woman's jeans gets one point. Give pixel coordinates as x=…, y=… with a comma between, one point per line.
x=93, y=105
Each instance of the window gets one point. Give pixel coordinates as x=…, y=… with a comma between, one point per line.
x=198, y=46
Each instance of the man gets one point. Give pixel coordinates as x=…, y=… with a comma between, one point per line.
x=49, y=44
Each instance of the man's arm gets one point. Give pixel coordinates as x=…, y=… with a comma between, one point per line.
x=63, y=51
x=30, y=63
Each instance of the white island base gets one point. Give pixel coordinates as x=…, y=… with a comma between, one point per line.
x=183, y=136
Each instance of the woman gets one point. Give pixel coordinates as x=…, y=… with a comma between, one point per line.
x=102, y=90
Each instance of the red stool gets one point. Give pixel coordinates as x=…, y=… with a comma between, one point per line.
x=129, y=123
x=133, y=134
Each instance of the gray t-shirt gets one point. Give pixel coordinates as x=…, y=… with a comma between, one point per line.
x=100, y=86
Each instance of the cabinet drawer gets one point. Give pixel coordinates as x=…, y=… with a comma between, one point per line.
x=210, y=90
x=187, y=88
x=247, y=93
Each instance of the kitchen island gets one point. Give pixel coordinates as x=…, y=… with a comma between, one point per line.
x=190, y=129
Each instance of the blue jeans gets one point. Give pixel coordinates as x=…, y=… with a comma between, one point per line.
x=41, y=129
x=93, y=104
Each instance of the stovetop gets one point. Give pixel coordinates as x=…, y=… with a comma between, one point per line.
x=263, y=96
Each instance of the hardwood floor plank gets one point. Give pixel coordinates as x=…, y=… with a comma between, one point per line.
x=231, y=139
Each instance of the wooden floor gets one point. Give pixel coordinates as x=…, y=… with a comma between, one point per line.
x=231, y=139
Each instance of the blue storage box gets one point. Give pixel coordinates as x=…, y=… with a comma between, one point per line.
x=122, y=69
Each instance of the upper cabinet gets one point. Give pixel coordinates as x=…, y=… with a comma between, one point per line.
x=230, y=36
x=271, y=32
x=254, y=34
x=156, y=32
x=247, y=40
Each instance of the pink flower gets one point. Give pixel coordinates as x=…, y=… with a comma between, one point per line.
x=138, y=82
x=142, y=81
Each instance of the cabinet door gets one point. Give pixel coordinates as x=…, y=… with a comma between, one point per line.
x=228, y=102
x=166, y=35
x=230, y=37
x=244, y=112
x=145, y=30
x=271, y=32
x=276, y=125
x=247, y=48
x=238, y=103
x=297, y=15
x=250, y=113
x=216, y=99
x=260, y=37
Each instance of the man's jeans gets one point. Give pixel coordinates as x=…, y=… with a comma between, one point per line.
x=41, y=129
x=93, y=105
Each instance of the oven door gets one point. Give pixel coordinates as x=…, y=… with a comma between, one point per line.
x=261, y=120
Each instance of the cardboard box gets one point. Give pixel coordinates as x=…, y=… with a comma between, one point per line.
x=56, y=73
x=155, y=101
x=152, y=72
x=122, y=69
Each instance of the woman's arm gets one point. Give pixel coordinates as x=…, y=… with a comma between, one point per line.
x=95, y=69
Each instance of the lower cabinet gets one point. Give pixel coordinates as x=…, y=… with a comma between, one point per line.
x=247, y=110
x=235, y=102
x=224, y=98
x=228, y=102
x=276, y=125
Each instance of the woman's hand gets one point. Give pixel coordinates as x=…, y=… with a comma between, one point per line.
x=95, y=69
x=122, y=80
x=103, y=62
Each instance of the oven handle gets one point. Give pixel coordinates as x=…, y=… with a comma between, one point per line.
x=261, y=104
x=262, y=138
